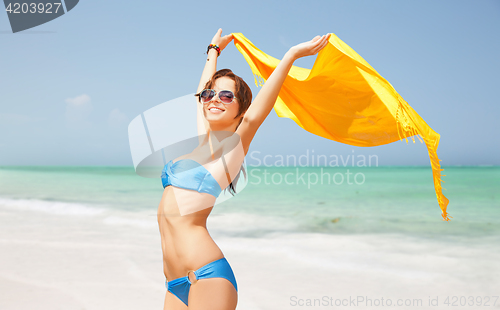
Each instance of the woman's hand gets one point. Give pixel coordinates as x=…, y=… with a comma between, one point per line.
x=222, y=42
x=309, y=48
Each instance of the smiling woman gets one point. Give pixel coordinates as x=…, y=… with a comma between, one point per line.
x=196, y=270
x=224, y=92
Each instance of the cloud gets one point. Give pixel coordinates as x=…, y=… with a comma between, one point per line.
x=79, y=100
x=117, y=119
x=78, y=110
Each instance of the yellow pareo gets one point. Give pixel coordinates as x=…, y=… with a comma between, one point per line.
x=343, y=98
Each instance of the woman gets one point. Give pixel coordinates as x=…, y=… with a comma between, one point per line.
x=198, y=276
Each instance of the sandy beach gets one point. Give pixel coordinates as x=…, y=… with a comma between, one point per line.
x=112, y=260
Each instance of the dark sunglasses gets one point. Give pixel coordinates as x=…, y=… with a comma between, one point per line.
x=226, y=96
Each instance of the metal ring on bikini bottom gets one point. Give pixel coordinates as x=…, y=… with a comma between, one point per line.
x=194, y=276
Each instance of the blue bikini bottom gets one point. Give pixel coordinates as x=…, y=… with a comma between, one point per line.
x=217, y=269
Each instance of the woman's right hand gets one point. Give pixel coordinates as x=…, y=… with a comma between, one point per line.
x=222, y=42
x=310, y=48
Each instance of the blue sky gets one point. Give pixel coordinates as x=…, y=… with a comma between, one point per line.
x=69, y=88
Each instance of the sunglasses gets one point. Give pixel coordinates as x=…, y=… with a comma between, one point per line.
x=226, y=96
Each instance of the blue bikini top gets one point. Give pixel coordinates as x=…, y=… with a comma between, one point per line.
x=189, y=174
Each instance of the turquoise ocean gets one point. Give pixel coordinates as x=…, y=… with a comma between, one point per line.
x=372, y=200
x=89, y=237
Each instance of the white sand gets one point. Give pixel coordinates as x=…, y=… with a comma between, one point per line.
x=113, y=261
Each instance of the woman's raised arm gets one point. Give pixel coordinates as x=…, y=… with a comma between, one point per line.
x=264, y=102
x=211, y=64
x=208, y=72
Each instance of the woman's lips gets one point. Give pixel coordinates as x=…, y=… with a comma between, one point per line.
x=215, y=110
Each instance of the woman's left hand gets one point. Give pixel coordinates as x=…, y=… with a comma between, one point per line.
x=310, y=48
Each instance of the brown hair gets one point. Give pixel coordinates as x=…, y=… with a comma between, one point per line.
x=243, y=92
x=244, y=95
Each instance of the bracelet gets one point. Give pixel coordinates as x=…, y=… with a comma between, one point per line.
x=214, y=46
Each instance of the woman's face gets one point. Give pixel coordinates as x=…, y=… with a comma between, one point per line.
x=218, y=113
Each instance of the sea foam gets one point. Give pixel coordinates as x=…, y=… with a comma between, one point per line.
x=52, y=207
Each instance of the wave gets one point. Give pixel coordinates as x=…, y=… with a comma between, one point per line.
x=52, y=207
